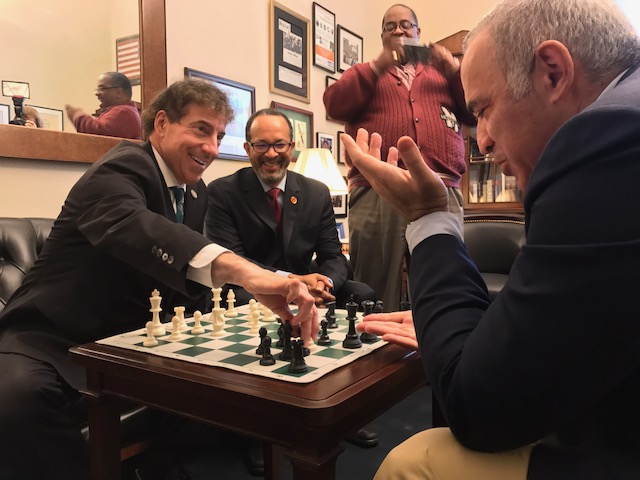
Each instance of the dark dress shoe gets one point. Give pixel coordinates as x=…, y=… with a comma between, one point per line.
x=253, y=457
x=364, y=439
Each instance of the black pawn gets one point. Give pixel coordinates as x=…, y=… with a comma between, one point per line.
x=298, y=365
x=378, y=307
x=287, y=351
x=324, y=336
x=405, y=305
x=331, y=315
x=267, y=359
x=352, y=339
x=367, y=308
x=263, y=333
x=280, y=342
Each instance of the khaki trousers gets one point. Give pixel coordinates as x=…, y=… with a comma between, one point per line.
x=435, y=454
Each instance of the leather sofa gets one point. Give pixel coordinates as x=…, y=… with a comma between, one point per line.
x=21, y=240
x=493, y=242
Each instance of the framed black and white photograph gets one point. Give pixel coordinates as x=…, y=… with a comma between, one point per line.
x=339, y=205
x=288, y=53
x=324, y=38
x=242, y=98
x=350, y=48
x=329, y=80
x=52, y=118
x=326, y=140
x=5, y=114
x=340, y=157
x=343, y=230
x=302, y=123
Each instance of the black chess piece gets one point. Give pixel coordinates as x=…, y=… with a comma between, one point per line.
x=280, y=342
x=324, y=339
x=267, y=359
x=263, y=334
x=367, y=308
x=298, y=365
x=352, y=339
x=331, y=315
x=379, y=308
x=405, y=305
x=287, y=351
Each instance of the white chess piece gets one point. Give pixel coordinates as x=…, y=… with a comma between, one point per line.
x=216, y=296
x=175, y=329
x=217, y=314
x=254, y=308
x=254, y=320
x=231, y=304
x=155, y=299
x=150, y=341
x=267, y=314
x=179, y=311
x=197, y=327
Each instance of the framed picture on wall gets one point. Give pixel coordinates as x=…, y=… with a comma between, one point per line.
x=340, y=150
x=288, y=53
x=324, y=38
x=5, y=113
x=339, y=205
x=243, y=101
x=52, y=118
x=302, y=123
x=350, y=47
x=326, y=140
x=128, y=57
x=329, y=80
x=343, y=230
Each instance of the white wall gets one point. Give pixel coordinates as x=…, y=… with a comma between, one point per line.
x=227, y=39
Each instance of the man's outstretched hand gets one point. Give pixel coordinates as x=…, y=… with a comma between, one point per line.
x=396, y=327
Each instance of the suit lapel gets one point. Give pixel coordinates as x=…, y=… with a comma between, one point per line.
x=168, y=201
x=257, y=199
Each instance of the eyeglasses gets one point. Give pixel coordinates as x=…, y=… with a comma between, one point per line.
x=262, y=147
x=405, y=25
x=102, y=89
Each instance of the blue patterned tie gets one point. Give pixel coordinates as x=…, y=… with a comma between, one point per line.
x=178, y=194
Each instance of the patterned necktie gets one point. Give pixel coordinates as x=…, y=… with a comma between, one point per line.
x=178, y=194
x=275, y=205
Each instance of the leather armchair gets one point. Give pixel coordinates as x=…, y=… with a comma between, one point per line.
x=21, y=240
x=494, y=242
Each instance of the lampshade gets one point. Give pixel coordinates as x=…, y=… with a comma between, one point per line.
x=318, y=163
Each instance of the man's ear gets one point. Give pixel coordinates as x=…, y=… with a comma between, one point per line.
x=554, y=69
x=247, y=147
x=160, y=122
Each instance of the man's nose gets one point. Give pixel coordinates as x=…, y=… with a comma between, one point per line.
x=212, y=148
x=485, y=142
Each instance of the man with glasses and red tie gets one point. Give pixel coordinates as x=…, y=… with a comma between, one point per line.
x=118, y=117
x=395, y=95
x=278, y=219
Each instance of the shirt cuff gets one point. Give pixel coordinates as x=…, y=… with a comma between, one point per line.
x=283, y=273
x=200, y=265
x=435, y=223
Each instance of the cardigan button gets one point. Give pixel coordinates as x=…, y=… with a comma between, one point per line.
x=399, y=83
x=417, y=120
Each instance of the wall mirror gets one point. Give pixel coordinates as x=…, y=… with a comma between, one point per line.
x=23, y=142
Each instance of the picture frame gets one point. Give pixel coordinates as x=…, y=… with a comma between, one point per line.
x=343, y=230
x=350, y=48
x=242, y=98
x=52, y=118
x=326, y=140
x=5, y=114
x=339, y=205
x=328, y=81
x=324, y=38
x=128, y=57
x=288, y=52
x=302, y=123
x=340, y=151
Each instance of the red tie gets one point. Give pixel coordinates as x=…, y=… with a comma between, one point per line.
x=275, y=206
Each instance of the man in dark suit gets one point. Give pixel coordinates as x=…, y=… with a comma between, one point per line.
x=556, y=353
x=131, y=224
x=241, y=216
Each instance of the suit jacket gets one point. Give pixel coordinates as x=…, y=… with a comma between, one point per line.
x=114, y=242
x=240, y=218
x=558, y=351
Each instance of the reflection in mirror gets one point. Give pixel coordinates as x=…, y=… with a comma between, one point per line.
x=61, y=48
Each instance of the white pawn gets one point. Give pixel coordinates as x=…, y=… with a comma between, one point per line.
x=150, y=341
x=155, y=299
x=254, y=320
x=175, y=331
x=179, y=311
x=231, y=304
x=197, y=328
x=267, y=314
x=254, y=308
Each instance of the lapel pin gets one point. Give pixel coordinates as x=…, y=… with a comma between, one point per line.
x=294, y=200
x=194, y=194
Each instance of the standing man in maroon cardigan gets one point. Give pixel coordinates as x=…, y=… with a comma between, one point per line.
x=119, y=116
x=395, y=97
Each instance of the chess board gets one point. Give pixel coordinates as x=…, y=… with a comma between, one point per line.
x=236, y=348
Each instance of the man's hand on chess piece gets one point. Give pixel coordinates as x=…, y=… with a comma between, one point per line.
x=414, y=192
x=319, y=286
x=396, y=327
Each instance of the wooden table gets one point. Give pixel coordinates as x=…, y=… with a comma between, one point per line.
x=307, y=421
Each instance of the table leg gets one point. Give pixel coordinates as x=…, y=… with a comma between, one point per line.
x=104, y=427
x=272, y=455
x=313, y=468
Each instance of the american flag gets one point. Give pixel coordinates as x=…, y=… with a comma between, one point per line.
x=128, y=57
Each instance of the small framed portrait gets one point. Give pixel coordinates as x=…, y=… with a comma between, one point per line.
x=339, y=205
x=350, y=47
x=340, y=150
x=326, y=140
x=343, y=230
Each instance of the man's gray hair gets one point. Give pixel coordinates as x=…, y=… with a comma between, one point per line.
x=595, y=31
